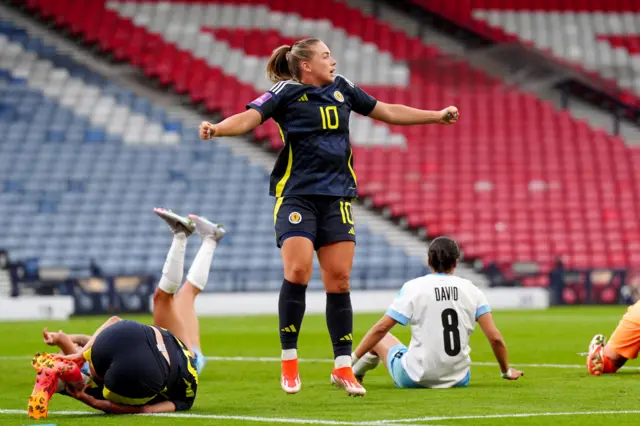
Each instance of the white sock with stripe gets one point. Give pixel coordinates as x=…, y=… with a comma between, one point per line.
x=173, y=268
x=199, y=272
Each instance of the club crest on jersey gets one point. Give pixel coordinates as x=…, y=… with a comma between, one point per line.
x=338, y=96
x=295, y=218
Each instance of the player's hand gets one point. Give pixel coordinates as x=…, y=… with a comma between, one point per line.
x=50, y=338
x=77, y=358
x=449, y=115
x=512, y=374
x=78, y=391
x=207, y=130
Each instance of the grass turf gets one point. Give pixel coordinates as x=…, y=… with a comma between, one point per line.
x=251, y=388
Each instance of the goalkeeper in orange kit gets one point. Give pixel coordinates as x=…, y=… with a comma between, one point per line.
x=608, y=357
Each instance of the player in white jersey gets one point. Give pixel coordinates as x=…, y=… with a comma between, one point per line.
x=442, y=310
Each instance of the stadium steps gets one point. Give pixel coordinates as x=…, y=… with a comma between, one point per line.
x=492, y=62
x=519, y=180
x=240, y=147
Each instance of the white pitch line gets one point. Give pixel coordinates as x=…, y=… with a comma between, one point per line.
x=477, y=363
x=279, y=420
x=326, y=360
x=509, y=416
x=404, y=422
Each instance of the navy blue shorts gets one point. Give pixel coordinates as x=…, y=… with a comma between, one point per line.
x=126, y=357
x=322, y=219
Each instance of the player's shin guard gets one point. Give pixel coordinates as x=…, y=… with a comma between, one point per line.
x=340, y=324
x=174, y=265
x=291, y=307
x=198, y=274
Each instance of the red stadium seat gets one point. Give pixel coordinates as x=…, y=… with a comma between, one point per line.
x=501, y=21
x=514, y=180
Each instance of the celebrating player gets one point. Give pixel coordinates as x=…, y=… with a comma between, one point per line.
x=137, y=368
x=442, y=310
x=314, y=183
x=608, y=357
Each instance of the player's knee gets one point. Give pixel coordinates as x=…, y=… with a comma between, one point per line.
x=298, y=272
x=337, y=281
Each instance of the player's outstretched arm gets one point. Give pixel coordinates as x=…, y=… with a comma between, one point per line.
x=402, y=115
x=498, y=346
x=373, y=336
x=80, y=339
x=236, y=125
x=61, y=340
x=78, y=356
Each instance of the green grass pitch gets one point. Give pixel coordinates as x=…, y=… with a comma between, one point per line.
x=235, y=392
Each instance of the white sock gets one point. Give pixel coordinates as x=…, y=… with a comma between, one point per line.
x=366, y=363
x=342, y=361
x=199, y=272
x=289, y=354
x=173, y=268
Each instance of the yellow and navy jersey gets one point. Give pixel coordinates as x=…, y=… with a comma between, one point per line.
x=183, y=379
x=133, y=371
x=317, y=158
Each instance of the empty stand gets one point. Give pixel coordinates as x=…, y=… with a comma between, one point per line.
x=515, y=180
x=83, y=162
x=598, y=37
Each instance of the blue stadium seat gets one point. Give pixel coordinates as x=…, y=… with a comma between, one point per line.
x=74, y=191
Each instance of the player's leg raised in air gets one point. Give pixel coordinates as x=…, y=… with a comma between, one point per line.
x=177, y=313
x=608, y=357
x=132, y=375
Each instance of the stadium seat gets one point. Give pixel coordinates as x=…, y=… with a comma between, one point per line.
x=599, y=38
x=86, y=189
x=524, y=188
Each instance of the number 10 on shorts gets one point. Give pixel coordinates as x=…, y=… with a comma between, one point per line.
x=347, y=212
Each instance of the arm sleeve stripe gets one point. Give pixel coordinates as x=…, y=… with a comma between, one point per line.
x=484, y=309
x=397, y=317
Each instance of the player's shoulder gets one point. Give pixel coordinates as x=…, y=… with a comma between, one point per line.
x=343, y=81
x=286, y=88
x=436, y=279
x=468, y=287
x=416, y=284
x=463, y=283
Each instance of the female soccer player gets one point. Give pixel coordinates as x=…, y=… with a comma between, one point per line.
x=314, y=182
x=442, y=310
x=137, y=368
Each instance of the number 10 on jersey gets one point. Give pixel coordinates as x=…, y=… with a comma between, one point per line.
x=330, y=118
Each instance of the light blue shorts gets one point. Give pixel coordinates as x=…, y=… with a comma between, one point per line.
x=400, y=376
x=199, y=359
x=86, y=370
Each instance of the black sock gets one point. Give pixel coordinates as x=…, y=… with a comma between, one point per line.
x=340, y=322
x=291, y=305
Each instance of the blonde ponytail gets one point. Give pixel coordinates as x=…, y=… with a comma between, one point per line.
x=284, y=63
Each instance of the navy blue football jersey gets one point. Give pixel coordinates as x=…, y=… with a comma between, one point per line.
x=317, y=158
